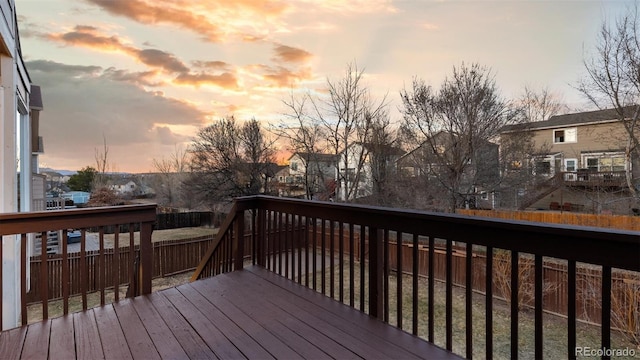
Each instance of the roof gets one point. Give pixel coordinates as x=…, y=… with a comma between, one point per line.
x=35, y=98
x=319, y=157
x=485, y=144
x=582, y=118
x=387, y=149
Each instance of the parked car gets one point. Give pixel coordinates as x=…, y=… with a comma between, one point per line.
x=73, y=236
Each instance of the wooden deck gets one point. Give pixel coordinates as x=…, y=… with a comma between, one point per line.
x=251, y=314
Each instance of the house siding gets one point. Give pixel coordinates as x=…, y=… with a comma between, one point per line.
x=608, y=137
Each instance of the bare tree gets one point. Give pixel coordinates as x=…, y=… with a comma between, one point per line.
x=454, y=126
x=541, y=105
x=383, y=154
x=613, y=80
x=230, y=160
x=337, y=124
x=306, y=138
x=172, y=174
x=347, y=119
x=102, y=165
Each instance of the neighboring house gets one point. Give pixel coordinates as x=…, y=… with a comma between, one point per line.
x=592, y=141
x=313, y=173
x=124, y=186
x=18, y=117
x=582, y=150
x=440, y=159
x=360, y=166
x=286, y=185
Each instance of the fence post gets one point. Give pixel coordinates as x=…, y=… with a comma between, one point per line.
x=146, y=257
x=238, y=244
x=376, y=300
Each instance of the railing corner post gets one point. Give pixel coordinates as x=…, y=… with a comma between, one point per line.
x=146, y=258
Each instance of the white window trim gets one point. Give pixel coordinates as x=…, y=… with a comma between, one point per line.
x=598, y=155
x=573, y=129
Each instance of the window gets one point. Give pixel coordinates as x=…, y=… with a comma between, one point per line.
x=565, y=136
x=484, y=195
x=543, y=167
x=570, y=164
x=293, y=166
x=605, y=162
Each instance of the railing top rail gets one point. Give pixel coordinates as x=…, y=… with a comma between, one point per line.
x=37, y=221
x=617, y=248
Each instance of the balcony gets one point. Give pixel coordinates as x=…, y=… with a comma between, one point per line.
x=592, y=179
x=322, y=280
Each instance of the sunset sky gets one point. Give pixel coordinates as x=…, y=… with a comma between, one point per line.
x=147, y=74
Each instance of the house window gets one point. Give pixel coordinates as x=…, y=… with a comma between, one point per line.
x=293, y=166
x=606, y=162
x=543, y=167
x=484, y=195
x=565, y=136
x=570, y=164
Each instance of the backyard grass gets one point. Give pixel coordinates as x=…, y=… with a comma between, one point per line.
x=554, y=327
x=159, y=235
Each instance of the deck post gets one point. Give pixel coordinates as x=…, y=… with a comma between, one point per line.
x=146, y=258
x=238, y=244
x=376, y=299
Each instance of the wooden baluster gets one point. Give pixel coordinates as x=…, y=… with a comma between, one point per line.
x=514, y=304
x=375, y=275
x=399, y=289
x=239, y=243
x=469, y=300
x=44, y=277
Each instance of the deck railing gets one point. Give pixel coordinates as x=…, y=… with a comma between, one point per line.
x=585, y=177
x=24, y=227
x=345, y=253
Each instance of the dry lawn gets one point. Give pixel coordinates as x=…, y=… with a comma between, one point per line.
x=159, y=235
x=555, y=327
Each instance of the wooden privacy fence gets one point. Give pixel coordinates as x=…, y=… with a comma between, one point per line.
x=621, y=222
x=184, y=219
x=588, y=279
x=170, y=257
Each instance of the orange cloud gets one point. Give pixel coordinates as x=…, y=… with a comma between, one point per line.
x=225, y=80
x=89, y=36
x=291, y=54
x=213, y=20
x=280, y=76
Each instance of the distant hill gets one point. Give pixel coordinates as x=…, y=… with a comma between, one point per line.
x=73, y=172
x=61, y=172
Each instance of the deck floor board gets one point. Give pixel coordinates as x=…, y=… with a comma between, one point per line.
x=62, y=340
x=111, y=333
x=243, y=314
